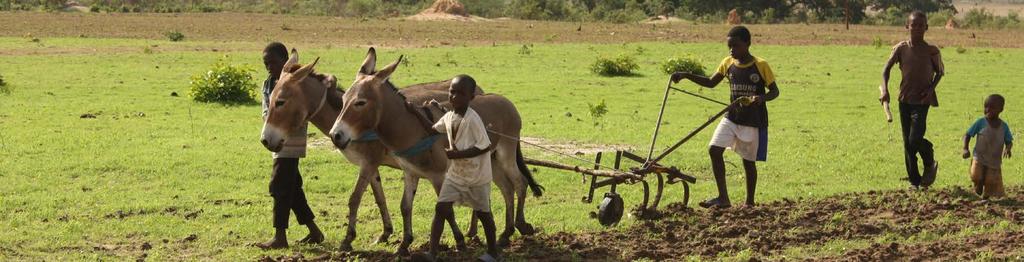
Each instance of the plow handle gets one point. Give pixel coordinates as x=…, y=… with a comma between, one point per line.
x=888, y=112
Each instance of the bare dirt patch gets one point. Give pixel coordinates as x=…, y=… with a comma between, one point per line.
x=334, y=31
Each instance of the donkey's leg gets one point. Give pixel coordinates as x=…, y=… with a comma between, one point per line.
x=508, y=195
x=411, y=182
x=519, y=184
x=353, y=208
x=382, y=204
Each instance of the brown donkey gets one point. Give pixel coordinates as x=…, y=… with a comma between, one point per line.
x=374, y=106
x=299, y=99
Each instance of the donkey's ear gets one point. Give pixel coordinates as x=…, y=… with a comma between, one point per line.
x=305, y=70
x=370, y=64
x=385, y=73
x=292, y=60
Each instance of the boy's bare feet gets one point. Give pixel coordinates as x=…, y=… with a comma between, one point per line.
x=715, y=203
x=928, y=178
x=273, y=244
x=313, y=238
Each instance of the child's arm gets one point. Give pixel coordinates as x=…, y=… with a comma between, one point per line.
x=971, y=132
x=885, y=75
x=967, y=145
x=940, y=71
x=1008, y=139
x=422, y=118
x=698, y=79
x=471, y=152
x=1006, y=151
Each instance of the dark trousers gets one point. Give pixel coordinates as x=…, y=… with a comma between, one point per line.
x=914, y=119
x=286, y=188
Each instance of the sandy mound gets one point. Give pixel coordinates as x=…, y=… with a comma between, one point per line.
x=74, y=6
x=661, y=19
x=445, y=10
x=452, y=7
x=734, y=18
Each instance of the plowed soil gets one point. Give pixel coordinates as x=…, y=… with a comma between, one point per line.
x=951, y=224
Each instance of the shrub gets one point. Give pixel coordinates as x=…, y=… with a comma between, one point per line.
x=598, y=110
x=961, y=50
x=877, y=42
x=363, y=8
x=224, y=83
x=682, y=64
x=526, y=50
x=4, y=89
x=622, y=66
x=175, y=36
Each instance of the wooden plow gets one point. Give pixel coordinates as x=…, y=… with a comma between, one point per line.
x=611, y=208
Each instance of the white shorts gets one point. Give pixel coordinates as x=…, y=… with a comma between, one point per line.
x=751, y=143
x=476, y=197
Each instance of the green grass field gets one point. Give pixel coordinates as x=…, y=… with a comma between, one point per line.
x=152, y=169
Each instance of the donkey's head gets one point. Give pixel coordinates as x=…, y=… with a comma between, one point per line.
x=293, y=101
x=363, y=102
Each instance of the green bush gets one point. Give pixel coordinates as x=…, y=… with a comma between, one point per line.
x=621, y=66
x=224, y=83
x=682, y=64
x=598, y=110
x=175, y=36
x=363, y=8
x=4, y=89
x=877, y=42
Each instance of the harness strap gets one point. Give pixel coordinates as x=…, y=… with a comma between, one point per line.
x=323, y=100
x=422, y=146
x=367, y=137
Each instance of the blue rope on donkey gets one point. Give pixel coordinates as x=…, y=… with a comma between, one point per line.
x=422, y=146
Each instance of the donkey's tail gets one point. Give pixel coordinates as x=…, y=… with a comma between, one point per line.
x=537, y=189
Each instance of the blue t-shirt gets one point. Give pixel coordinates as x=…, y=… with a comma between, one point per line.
x=988, y=150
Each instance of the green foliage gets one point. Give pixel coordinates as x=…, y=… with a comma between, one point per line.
x=621, y=66
x=175, y=36
x=224, y=83
x=4, y=89
x=891, y=16
x=485, y=8
x=683, y=64
x=598, y=110
x=939, y=19
x=540, y=9
x=526, y=50
x=905, y=7
x=982, y=18
x=363, y=8
x=877, y=42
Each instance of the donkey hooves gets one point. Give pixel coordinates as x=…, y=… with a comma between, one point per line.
x=526, y=229
x=345, y=246
x=383, y=238
x=403, y=252
x=504, y=241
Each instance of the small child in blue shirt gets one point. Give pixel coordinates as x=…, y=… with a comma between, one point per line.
x=994, y=142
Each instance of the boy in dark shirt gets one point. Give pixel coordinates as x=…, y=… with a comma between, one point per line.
x=922, y=68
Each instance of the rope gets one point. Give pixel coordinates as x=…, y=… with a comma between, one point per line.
x=553, y=151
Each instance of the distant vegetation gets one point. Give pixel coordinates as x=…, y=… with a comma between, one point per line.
x=875, y=12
